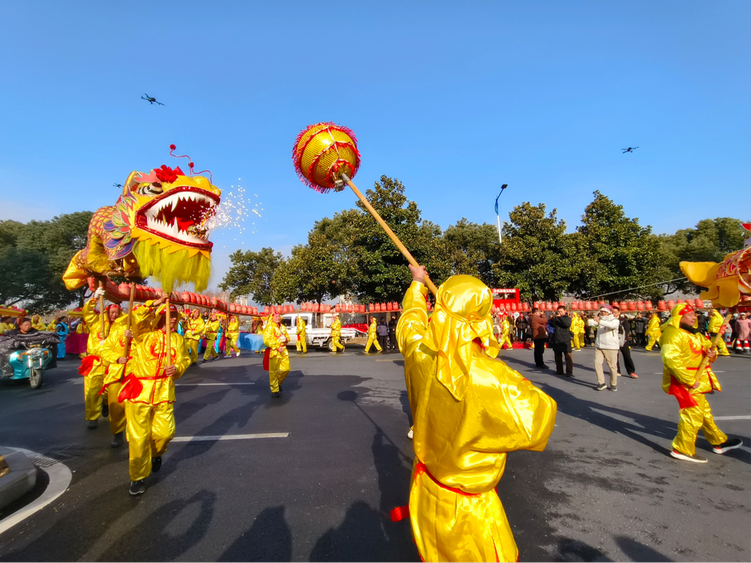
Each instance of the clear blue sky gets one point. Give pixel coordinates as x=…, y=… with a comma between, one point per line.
x=452, y=98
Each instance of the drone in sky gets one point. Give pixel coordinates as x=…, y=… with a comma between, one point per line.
x=151, y=100
x=629, y=149
x=117, y=185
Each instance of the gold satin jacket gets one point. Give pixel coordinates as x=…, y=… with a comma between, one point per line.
x=148, y=358
x=194, y=329
x=233, y=329
x=373, y=329
x=301, y=328
x=273, y=336
x=111, y=351
x=682, y=352
x=463, y=442
x=716, y=322
x=653, y=326
x=210, y=329
x=336, y=327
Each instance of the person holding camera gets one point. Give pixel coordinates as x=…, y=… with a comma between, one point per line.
x=606, y=348
x=561, y=341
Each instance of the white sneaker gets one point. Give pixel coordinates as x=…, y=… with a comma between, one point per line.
x=410, y=434
x=695, y=458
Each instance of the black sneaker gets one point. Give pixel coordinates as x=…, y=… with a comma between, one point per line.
x=683, y=457
x=156, y=464
x=613, y=388
x=601, y=387
x=727, y=446
x=93, y=424
x=137, y=488
x=117, y=440
x=105, y=410
x=276, y=394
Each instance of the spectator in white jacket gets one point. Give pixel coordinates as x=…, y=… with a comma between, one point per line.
x=606, y=347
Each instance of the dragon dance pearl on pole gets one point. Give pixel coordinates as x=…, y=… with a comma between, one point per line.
x=326, y=157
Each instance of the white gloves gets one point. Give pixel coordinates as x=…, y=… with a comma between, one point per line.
x=99, y=292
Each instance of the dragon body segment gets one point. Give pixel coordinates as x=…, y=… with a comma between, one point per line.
x=158, y=227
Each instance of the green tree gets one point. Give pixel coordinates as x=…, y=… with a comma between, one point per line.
x=379, y=271
x=34, y=256
x=473, y=250
x=620, y=253
x=536, y=256
x=251, y=273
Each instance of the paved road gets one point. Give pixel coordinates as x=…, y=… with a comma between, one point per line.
x=605, y=488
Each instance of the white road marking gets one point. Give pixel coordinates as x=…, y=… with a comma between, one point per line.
x=741, y=417
x=60, y=477
x=229, y=437
x=191, y=384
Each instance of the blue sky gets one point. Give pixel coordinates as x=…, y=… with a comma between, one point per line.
x=454, y=99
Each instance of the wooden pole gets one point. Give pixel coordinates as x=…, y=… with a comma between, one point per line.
x=101, y=310
x=167, y=332
x=715, y=341
x=389, y=232
x=131, y=300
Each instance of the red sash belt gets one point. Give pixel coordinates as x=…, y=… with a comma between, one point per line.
x=266, y=359
x=401, y=512
x=680, y=392
x=87, y=364
x=132, y=386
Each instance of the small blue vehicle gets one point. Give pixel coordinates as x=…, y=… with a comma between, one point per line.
x=30, y=364
x=27, y=356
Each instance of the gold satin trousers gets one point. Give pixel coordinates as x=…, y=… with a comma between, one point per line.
x=210, y=352
x=695, y=418
x=192, y=346
x=278, y=370
x=92, y=384
x=450, y=526
x=372, y=341
x=149, y=429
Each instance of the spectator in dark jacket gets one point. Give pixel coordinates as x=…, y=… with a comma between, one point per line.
x=561, y=341
x=382, y=330
x=640, y=328
x=538, y=323
x=392, y=332
x=625, y=351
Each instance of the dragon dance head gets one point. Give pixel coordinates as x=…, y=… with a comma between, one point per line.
x=728, y=282
x=159, y=227
x=163, y=218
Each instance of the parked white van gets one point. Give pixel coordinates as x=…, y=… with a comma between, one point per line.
x=318, y=331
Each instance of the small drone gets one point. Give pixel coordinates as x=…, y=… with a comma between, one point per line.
x=117, y=185
x=629, y=149
x=151, y=100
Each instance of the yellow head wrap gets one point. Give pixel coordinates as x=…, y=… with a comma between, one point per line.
x=462, y=314
x=676, y=315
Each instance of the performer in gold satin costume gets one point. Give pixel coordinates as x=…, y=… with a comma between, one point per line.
x=93, y=367
x=653, y=331
x=683, y=347
x=114, y=357
x=469, y=411
x=194, y=334
x=336, y=334
x=302, y=335
x=505, y=330
x=149, y=389
x=233, y=334
x=577, y=332
x=210, y=331
x=717, y=324
x=275, y=337
x=373, y=336
x=36, y=322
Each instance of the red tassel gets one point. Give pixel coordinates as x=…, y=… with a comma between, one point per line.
x=685, y=399
x=400, y=513
x=131, y=389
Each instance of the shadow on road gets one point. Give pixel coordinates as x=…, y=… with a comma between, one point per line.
x=165, y=534
x=367, y=534
x=637, y=551
x=268, y=539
